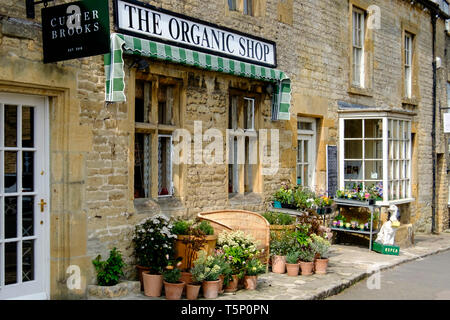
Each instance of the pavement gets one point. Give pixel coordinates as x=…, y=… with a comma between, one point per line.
x=348, y=264
x=423, y=279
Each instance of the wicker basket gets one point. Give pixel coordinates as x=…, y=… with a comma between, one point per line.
x=250, y=222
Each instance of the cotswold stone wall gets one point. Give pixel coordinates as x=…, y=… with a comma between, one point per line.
x=92, y=201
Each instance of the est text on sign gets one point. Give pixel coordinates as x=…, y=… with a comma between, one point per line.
x=140, y=19
x=75, y=30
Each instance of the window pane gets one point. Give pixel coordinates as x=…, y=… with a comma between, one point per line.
x=165, y=104
x=373, y=149
x=142, y=167
x=373, y=128
x=249, y=114
x=353, y=149
x=373, y=170
x=27, y=171
x=164, y=166
x=27, y=127
x=10, y=263
x=300, y=150
x=302, y=125
x=305, y=175
x=27, y=260
x=10, y=171
x=353, y=128
x=142, y=101
x=353, y=170
x=10, y=217
x=299, y=174
x=10, y=126
x=306, y=151
x=27, y=216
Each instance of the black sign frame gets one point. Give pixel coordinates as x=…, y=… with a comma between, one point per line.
x=178, y=44
x=78, y=45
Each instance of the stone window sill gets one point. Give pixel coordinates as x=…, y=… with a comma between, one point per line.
x=410, y=101
x=367, y=92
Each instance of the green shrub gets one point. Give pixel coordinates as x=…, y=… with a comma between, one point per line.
x=292, y=257
x=254, y=267
x=306, y=255
x=320, y=245
x=206, y=268
x=278, y=218
x=109, y=271
x=181, y=227
x=283, y=243
x=206, y=228
x=172, y=274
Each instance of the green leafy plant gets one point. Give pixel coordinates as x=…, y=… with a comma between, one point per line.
x=181, y=227
x=109, y=271
x=278, y=218
x=284, y=195
x=319, y=246
x=225, y=266
x=282, y=243
x=292, y=257
x=206, y=228
x=206, y=268
x=303, y=197
x=172, y=274
x=254, y=267
x=153, y=243
x=306, y=255
x=302, y=234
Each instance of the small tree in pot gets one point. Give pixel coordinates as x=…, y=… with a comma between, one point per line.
x=292, y=264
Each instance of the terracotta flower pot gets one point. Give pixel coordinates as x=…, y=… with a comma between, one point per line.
x=173, y=291
x=232, y=284
x=221, y=279
x=186, y=277
x=292, y=269
x=152, y=284
x=250, y=282
x=321, y=266
x=192, y=291
x=279, y=264
x=140, y=270
x=210, y=289
x=307, y=268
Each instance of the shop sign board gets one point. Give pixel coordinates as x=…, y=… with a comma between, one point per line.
x=75, y=30
x=145, y=21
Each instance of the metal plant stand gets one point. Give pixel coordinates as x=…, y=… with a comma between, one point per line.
x=363, y=204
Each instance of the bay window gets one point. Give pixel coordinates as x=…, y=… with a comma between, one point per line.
x=376, y=151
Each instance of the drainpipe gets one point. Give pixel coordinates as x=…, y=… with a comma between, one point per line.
x=433, y=131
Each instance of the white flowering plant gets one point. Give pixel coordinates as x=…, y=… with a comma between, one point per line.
x=154, y=242
x=238, y=248
x=206, y=268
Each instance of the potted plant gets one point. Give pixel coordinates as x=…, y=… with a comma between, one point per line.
x=279, y=247
x=292, y=264
x=304, y=198
x=153, y=244
x=320, y=247
x=173, y=286
x=253, y=268
x=226, y=274
x=109, y=271
x=284, y=197
x=207, y=270
x=306, y=261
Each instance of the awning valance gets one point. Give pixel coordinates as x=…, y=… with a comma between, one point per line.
x=114, y=69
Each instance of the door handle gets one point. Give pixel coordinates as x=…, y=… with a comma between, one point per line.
x=42, y=204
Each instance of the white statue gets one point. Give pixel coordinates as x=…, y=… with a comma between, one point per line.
x=386, y=236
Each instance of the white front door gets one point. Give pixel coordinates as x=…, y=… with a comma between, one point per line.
x=24, y=209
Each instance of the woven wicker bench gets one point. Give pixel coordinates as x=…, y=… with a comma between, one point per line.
x=250, y=222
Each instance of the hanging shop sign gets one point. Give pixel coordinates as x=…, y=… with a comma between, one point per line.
x=143, y=20
x=75, y=30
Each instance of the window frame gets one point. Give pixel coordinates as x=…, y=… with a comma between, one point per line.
x=238, y=174
x=151, y=126
x=309, y=136
x=386, y=178
x=358, y=47
x=408, y=48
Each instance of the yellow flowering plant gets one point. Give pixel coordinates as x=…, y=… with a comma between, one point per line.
x=254, y=267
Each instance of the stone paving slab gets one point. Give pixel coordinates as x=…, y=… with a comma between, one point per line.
x=348, y=264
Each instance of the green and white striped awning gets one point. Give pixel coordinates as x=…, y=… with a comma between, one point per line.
x=114, y=69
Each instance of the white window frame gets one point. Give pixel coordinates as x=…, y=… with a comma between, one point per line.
x=307, y=136
x=387, y=177
x=408, y=53
x=358, y=31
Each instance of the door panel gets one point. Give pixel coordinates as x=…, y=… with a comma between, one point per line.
x=23, y=183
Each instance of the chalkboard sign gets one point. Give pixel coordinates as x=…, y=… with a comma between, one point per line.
x=332, y=170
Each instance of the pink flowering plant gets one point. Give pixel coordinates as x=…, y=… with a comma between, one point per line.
x=153, y=242
x=238, y=248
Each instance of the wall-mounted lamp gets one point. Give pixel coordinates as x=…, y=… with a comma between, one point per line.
x=30, y=6
x=141, y=64
x=269, y=88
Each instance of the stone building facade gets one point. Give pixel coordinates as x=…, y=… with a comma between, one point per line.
x=94, y=153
